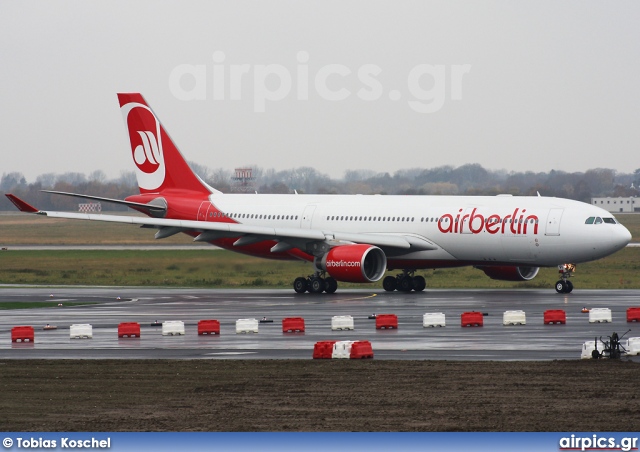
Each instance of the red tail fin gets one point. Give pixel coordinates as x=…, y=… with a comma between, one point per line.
x=159, y=164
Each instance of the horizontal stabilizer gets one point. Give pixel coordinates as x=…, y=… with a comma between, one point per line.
x=20, y=204
x=149, y=207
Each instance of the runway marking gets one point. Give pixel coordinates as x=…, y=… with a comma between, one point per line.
x=231, y=353
x=358, y=298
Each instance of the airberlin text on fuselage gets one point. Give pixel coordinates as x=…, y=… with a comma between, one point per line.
x=493, y=224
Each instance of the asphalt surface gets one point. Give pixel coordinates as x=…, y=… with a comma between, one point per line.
x=493, y=341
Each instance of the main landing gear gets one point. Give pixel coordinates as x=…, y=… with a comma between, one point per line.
x=315, y=283
x=404, y=282
x=566, y=271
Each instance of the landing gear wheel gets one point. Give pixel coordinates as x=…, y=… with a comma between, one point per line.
x=316, y=285
x=389, y=283
x=563, y=286
x=405, y=284
x=569, y=287
x=330, y=285
x=300, y=285
x=418, y=283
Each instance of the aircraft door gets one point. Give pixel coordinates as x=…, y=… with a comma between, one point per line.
x=552, y=226
x=307, y=216
x=202, y=211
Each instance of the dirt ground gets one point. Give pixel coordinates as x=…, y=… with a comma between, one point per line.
x=318, y=395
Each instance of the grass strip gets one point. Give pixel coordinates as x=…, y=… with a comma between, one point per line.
x=225, y=269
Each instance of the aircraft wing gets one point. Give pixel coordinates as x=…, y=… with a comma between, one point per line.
x=247, y=234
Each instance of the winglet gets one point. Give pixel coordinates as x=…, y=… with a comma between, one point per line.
x=20, y=204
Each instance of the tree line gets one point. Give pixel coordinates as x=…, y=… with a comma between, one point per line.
x=470, y=179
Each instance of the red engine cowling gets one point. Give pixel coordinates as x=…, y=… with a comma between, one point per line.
x=354, y=263
x=505, y=273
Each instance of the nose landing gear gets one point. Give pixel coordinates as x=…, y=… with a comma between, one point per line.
x=566, y=271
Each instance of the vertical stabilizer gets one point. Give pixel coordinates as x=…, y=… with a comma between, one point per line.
x=159, y=164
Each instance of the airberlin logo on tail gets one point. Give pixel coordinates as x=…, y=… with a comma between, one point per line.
x=519, y=222
x=146, y=144
x=146, y=155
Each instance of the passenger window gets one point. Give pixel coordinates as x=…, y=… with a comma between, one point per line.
x=590, y=220
x=598, y=220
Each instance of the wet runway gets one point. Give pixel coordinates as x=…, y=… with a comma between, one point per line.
x=493, y=341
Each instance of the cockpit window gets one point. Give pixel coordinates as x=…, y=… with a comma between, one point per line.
x=598, y=220
x=609, y=220
x=590, y=220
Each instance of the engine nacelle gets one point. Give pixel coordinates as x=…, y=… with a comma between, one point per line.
x=358, y=263
x=505, y=273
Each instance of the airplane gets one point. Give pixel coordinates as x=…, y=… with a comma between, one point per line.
x=355, y=238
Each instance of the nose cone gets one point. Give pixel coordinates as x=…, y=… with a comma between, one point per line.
x=625, y=236
x=609, y=240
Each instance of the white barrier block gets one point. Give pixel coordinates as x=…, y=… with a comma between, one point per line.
x=433, y=319
x=588, y=348
x=342, y=322
x=600, y=315
x=246, y=326
x=173, y=328
x=81, y=331
x=633, y=346
x=342, y=349
x=514, y=318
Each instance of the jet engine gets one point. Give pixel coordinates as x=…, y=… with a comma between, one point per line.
x=506, y=273
x=359, y=263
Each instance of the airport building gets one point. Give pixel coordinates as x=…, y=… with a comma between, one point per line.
x=618, y=205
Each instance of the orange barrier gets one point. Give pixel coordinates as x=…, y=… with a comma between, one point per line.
x=323, y=349
x=292, y=324
x=386, y=321
x=361, y=350
x=208, y=327
x=22, y=334
x=472, y=318
x=633, y=315
x=129, y=329
x=557, y=316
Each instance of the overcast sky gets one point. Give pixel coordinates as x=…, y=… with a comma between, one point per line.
x=336, y=85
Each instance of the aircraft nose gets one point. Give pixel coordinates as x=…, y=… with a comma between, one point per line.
x=626, y=235
x=622, y=237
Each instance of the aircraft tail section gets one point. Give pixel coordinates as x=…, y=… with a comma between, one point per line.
x=159, y=164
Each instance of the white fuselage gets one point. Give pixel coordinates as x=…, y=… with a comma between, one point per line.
x=490, y=230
